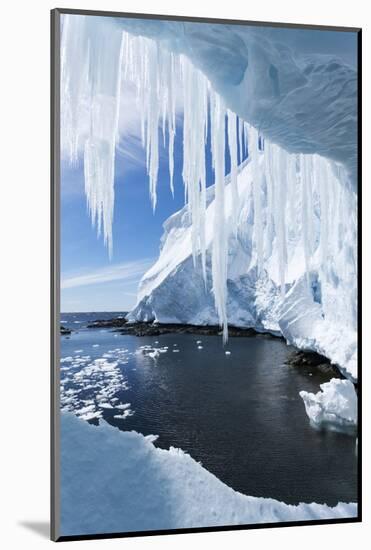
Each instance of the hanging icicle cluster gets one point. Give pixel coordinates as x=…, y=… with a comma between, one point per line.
x=159, y=75
x=280, y=181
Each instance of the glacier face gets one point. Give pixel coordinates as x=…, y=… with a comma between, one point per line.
x=311, y=302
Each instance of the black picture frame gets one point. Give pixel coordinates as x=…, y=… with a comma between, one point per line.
x=55, y=270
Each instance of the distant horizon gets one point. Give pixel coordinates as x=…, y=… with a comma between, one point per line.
x=96, y=311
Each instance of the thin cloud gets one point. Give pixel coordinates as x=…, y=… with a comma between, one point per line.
x=128, y=271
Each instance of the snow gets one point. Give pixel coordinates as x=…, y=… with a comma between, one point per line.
x=115, y=481
x=334, y=407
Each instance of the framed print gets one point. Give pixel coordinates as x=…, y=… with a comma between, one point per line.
x=205, y=236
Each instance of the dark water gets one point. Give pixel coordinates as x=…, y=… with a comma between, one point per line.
x=240, y=415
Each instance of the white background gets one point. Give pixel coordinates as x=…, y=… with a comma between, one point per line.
x=24, y=272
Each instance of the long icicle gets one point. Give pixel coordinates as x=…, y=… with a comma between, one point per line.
x=232, y=142
x=219, y=250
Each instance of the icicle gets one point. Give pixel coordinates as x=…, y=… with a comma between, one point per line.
x=219, y=251
x=321, y=173
x=245, y=138
x=195, y=91
x=268, y=171
x=309, y=185
x=280, y=211
x=171, y=119
x=98, y=86
x=304, y=213
x=256, y=182
x=240, y=139
x=232, y=141
x=291, y=189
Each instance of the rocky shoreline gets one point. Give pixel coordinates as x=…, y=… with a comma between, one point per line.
x=122, y=326
x=310, y=361
x=116, y=322
x=306, y=360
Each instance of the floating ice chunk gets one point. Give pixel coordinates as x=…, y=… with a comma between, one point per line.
x=175, y=351
x=157, y=342
x=84, y=410
x=105, y=406
x=123, y=406
x=95, y=346
x=199, y=342
x=227, y=352
x=200, y=347
x=335, y=407
x=78, y=351
x=66, y=359
x=124, y=415
x=91, y=415
x=154, y=354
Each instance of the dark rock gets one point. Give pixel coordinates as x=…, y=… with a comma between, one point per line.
x=156, y=329
x=313, y=362
x=64, y=330
x=116, y=322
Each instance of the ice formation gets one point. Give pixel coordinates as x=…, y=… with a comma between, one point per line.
x=334, y=407
x=114, y=481
x=278, y=220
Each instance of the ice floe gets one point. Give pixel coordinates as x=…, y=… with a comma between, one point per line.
x=334, y=407
x=89, y=387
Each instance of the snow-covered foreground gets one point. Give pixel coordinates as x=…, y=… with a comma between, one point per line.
x=114, y=481
x=335, y=407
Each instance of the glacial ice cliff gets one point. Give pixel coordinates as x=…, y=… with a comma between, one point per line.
x=271, y=246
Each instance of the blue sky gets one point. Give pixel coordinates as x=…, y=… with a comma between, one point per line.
x=90, y=281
